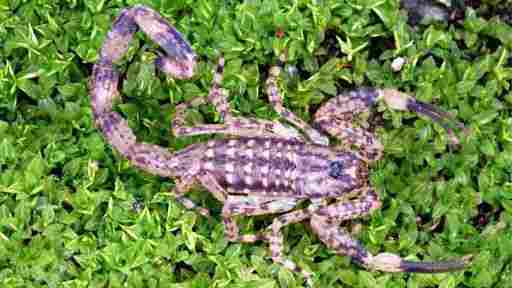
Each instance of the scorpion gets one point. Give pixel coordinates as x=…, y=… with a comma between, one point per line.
x=261, y=166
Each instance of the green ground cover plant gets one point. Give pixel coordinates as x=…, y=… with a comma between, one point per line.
x=73, y=213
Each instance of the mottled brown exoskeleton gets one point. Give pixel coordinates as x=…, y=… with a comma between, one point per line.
x=263, y=167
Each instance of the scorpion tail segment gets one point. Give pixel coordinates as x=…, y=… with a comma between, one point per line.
x=182, y=58
x=117, y=132
x=151, y=158
x=401, y=101
x=176, y=69
x=393, y=263
x=118, y=38
x=103, y=88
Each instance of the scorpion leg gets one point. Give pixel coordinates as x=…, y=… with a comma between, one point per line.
x=366, y=203
x=344, y=210
x=276, y=240
x=182, y=186
x=335, y=117
x=277, y=101
x=251, y=206
x=325, y=221
x=237, y=126
x=207, y=181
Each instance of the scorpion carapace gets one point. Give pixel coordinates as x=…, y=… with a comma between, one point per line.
x=264, y=167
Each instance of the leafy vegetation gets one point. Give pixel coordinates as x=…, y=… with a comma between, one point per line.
x=73, y=213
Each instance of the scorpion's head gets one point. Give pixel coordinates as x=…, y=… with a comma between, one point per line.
x=336, y=175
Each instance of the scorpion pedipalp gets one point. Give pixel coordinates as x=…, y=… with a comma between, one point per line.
x=388, y=262
x=401, y=101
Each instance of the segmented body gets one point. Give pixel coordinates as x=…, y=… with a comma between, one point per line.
x=263, y=167
x=278, y=167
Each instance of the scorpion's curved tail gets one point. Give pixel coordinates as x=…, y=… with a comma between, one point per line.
x=104, y=81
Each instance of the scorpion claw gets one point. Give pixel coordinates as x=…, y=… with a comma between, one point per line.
x=393, y=263
x=401, y=101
